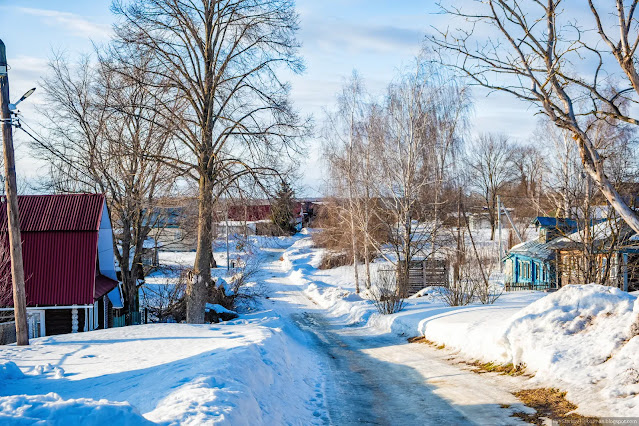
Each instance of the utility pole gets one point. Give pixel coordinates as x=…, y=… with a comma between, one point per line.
x=501, y=265
x=228, y=259
x=13, y=218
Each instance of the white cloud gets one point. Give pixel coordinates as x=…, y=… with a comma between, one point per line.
x=70, y=22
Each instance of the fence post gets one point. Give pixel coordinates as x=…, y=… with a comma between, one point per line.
x=424, y=283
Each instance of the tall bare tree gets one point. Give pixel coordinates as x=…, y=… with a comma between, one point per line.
x=344, y=143
x=222, y=59
x=491, y=170
x=530, y=51
x=103, y=135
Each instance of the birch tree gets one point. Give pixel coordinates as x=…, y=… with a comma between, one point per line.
x=344, y=141
x=490, y=170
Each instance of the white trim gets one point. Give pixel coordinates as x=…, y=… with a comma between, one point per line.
x=74, y=320
x=94, y=316
x=37, y=308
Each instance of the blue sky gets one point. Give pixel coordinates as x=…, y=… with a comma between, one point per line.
x=376, y=37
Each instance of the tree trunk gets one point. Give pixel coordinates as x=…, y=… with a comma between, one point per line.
x=196, y=290
x=354, y=248
x=593, y=164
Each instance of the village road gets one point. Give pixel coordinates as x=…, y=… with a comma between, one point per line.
x=381, y=379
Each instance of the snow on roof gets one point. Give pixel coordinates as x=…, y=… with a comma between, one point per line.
x=599, y=232
x=533, y=248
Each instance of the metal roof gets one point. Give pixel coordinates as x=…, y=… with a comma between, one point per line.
x=555, y=222
x=59, y=245
x=533, y=249
x=63, y=212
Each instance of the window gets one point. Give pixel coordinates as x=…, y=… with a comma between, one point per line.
x=524, y=269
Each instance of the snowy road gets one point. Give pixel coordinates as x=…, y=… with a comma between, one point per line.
x=381, y=379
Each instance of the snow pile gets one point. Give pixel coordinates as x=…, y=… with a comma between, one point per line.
x=238, y=373
x=9, y=371
x=341, y=302
x=218, y=309
x=584, y=337
x=51, y=409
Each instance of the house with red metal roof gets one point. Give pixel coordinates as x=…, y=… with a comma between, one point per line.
x=69, y=264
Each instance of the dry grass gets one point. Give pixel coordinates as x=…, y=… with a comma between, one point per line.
x=550, y=404
x=332, y=260
x=503, y=369
x=421, y=339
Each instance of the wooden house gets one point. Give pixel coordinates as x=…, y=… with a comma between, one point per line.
x=70, y=276
x=608, y=254
x=532, y=264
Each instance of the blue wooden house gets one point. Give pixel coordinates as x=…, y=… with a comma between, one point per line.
x=532, y=264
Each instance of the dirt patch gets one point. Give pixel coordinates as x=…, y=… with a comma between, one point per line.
x=503, y=369
x=550, y=404
x=421, y=339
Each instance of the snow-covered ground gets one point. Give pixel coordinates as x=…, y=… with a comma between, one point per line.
x=582, y=339
x=238, y=373
x=315, y=352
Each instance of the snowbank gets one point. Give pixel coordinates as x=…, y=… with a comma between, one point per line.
x=10, y=371
x=51, y=409
x=582, y=339
x=237, y=373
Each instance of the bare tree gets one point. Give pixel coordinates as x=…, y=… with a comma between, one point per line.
x=490, y=170
x=221, y=59
x=528, y=50
x=388, y=294
x=404, y=172
x=103, y=134
x=6, y=289
x=343, y=142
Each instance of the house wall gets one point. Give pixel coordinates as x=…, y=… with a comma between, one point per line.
x=58, y=321
x=607, y=267
x=174, y=239
x=526, y=270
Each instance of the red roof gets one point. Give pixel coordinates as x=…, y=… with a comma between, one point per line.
x=103, y=285
x=59, y=246
x=64, y=212
x=255, y=212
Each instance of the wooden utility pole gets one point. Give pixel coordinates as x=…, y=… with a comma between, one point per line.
x=501, y=266
x=13, y=219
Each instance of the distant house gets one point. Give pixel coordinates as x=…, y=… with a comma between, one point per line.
x=553, y=227
x=613, y=257
x=71, y=281
x=532, y=264
x=174, y=228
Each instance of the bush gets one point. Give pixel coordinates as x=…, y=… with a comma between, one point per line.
x=388, y=296
x=332, y=260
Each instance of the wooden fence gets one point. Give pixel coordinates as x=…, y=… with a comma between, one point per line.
x=427, y=273
x=520, y=287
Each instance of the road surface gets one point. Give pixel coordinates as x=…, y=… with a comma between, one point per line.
x=381, y=379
